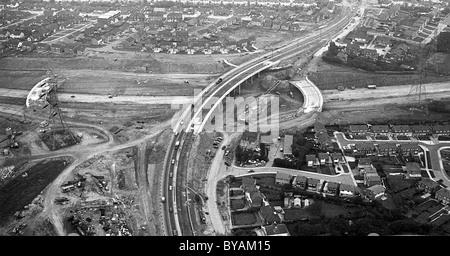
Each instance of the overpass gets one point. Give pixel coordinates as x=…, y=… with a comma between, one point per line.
x=194, y=117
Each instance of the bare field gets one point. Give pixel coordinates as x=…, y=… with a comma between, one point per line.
x=123, y=83
x=389, y=113
x=330, y=77
x=129, y=61
x=20, y=79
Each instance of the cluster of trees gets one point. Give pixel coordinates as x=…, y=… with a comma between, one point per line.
x=443, y=42
x=245, y=154
x=300, y=148
x=330, y=56
x=366, y=220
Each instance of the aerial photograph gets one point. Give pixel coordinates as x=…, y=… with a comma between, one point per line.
x=224, y=118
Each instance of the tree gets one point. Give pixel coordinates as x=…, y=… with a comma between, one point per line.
x=333, y=49
x=315, y=208
x=443, y=42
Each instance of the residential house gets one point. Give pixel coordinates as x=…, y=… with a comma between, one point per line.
x=358, y=129
x=300, y=182
x=283, y=178
x=371, y=179
x=276, y=24
x=57, y=48
x=267, y=23
x=42, y=47
x=364, y=162
x=413, y=170
x=401, y=129
x=410, y=149
x=17, y=34
x=366, y=148
x=182, y=46
x=215, y=46
x=441, y=129
x=96, y=41
x=295, y=26
x=393, y=170
x=324, y=158
x=311, y=160
x=331, y=188
x=275, y=230
x=338, y=158
x=28, y=46
x=230, y=45
x=4, y=33
x=250, y=140
x=370, y=54
x=313, y=185
x=155, y=16
x=352, y=49
x=380, y=129
x=255, y=22
x=429, y=185
x=269, y=214
x=421, y=129
x=346, y=190
x=174, y=17
x=375, y=191
x=166, y=45
x=254, y=198
x=443, y=195
x=387, y=149
x=285, y=26
x=287, y=149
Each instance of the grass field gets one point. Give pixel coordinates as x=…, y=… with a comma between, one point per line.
x=330, y=77
x=243, y=218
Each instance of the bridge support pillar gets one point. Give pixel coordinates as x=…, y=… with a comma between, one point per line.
x=239, y=89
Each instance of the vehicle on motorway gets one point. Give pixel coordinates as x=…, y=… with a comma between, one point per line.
x=182, y=122
x=163, y=199
x=72, y=96
x=176, y=133
x=170, y=209
x=173, y=160
x=227, y=152
x=170, y=187
x=224, y=147
x=219, y=81
x=250, y=171
x=174, y=232
x=110, y=96
x=177, y=144
x=170, y=174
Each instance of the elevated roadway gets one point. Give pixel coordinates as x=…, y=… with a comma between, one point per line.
x=193, y=119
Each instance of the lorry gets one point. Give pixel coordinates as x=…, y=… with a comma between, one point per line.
x=163, y=199
x=372, y=86
x=177, y=144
